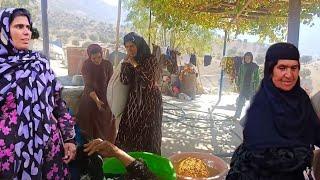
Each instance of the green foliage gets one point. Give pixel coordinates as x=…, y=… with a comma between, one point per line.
x=265, y=18
x=93, y=37
x=31, y=5
x=83, y=35
x=184, y=37
x=305, y=73
x=305, y=59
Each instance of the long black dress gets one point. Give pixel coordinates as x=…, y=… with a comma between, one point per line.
x=140, y=126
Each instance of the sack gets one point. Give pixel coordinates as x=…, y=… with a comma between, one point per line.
x=117, y=93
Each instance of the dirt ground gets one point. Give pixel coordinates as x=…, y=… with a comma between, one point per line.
x=200, y=125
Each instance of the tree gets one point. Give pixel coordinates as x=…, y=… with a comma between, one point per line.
x=175, y=36
x=259, y=59
x=83, y=36
x=305, y=59
x=30, y=5
x=102, y=38
x=265, y=18
x=305, y=73
x=93, y=37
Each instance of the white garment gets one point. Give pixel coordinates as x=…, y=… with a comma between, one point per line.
x=117, y=93
x=185, y=59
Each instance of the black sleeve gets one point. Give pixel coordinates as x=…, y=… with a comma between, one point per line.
x=138, y=170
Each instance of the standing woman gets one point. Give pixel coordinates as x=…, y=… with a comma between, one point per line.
x=247, y=82
x=140, y=126
x=281, y=126
x=36, y=131
x=94, y=115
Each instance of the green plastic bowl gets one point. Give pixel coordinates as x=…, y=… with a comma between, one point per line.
x=160, y=166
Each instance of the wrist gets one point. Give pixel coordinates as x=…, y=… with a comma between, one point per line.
x=118, y=153
x=135, y=65
x=70, y=141
x=96, y=99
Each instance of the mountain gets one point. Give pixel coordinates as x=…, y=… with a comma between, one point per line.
x=78, y=22
x=96, y=10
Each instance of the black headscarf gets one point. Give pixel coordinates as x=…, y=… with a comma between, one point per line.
x=250, y=67
x=279, y=118
x=142, y=46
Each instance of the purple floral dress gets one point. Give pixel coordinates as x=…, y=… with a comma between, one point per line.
x=34, y=121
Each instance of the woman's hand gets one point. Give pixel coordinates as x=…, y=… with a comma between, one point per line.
x=107, y=149
x=104, y=148
x=131, y=60
x=99, y=104
x=69, y=152
x=95, y=98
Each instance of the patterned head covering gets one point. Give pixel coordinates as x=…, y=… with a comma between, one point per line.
x=142, y=46
x=27, y=78
x=6, y=44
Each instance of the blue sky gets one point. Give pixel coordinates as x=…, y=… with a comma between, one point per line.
x=309, y=40
x=111, y=2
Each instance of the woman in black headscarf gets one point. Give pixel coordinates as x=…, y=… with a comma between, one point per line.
x=140, y=126
x=281, y=126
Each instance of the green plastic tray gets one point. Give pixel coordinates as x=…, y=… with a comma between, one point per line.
x=160, y=166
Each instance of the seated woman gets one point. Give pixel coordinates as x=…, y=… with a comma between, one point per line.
x=136, y=169
x=281, y=126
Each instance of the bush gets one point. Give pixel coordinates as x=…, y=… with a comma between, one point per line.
x=305, y=73
x=93, y=37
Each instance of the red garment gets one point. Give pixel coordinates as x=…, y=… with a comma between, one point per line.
x=96, y=123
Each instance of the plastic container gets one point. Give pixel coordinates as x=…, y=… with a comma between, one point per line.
x=211, y=161
x=160, y=166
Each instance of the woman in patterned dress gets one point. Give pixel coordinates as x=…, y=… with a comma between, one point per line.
x=36, y=131
x=140, y=126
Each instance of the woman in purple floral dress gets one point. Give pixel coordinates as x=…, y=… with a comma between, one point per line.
x=36, y=131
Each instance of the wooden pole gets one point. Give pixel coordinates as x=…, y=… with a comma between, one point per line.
x=150, y=18
x=294, y=22
x=45, y=29
x=116, y=59
x=222, y=72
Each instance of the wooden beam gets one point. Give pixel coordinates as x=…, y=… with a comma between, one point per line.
x=294, y=22
x=45, y=29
